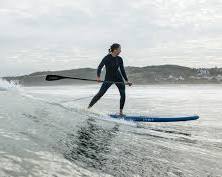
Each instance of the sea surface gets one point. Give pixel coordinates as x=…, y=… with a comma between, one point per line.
x=49, y=132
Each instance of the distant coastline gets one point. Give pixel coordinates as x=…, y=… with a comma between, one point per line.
x=160, y=74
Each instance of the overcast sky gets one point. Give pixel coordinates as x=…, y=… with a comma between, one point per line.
x=38, y=35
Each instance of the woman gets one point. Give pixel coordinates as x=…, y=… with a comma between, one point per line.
x=113, y=63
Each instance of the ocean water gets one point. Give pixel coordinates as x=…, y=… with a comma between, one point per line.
x=47, y=131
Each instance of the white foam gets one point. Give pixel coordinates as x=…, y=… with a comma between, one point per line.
x=9, y=85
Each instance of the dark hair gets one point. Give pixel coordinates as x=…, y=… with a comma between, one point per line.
x=113, y=47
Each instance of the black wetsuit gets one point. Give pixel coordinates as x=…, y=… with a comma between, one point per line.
x=112, y=64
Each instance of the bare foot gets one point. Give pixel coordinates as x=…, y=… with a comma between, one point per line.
x=121, y=114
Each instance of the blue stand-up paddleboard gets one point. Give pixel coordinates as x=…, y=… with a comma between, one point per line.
x=153, y=119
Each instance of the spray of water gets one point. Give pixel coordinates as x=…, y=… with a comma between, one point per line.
x=9, y=85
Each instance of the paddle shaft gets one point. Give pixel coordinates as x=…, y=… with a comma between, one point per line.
x=93, y=80
x=56, y=77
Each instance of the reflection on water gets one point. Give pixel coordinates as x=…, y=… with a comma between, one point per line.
x=91, y=144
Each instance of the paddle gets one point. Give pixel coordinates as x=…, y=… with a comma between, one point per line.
x=56, y=77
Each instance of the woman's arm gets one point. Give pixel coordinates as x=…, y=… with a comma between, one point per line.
x=100, y=68
x=123, y=70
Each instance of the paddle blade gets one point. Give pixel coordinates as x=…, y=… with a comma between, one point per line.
x=54, y=77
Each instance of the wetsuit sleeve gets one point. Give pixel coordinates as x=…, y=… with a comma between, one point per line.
x=100, y=67
x=123, y=70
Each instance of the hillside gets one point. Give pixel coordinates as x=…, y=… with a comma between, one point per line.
x=162, y=74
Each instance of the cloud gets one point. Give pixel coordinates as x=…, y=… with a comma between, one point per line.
x=154, y=32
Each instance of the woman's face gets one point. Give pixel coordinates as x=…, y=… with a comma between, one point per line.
x=117, y=51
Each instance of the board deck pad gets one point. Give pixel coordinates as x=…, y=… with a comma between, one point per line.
x=153, y=118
